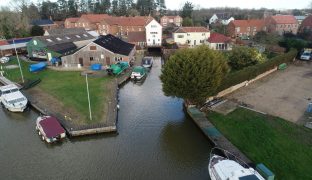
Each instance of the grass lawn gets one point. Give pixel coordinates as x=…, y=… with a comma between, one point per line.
x=284, y=147
x=69, y=88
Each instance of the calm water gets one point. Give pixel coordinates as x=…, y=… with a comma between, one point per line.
x=155, y=141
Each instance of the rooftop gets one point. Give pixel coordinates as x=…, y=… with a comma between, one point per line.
x=114, y=44
x=307, y=21
x=128, y=21
x=42, y=22
x=63, y=31
x=191, y=29
x=136, y=36
x=285, y=19
x=95, y=18
x=250, y=22
x=218, y=38
x=73, y=20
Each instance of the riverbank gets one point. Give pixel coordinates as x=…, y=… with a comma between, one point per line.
x=284, y=147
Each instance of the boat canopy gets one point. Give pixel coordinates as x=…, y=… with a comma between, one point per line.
x=139, y=69
x=51, y=127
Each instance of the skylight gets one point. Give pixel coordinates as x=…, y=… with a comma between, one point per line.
x=78, y=36
x=59, y=39
x=85, y=35
x=67, y=37
x=49, y=40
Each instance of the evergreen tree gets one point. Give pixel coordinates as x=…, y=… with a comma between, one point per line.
x=161, y=6
x=123, y=10
x=194, y=74
x=187, y=22
x=36, y=31
x=187, y=10
x=115, y=10
x=242, y=56
x=72, y=8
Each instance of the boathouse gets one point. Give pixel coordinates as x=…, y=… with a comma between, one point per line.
x=105, y=50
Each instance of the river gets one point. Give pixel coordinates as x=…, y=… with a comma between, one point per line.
x=155, y=141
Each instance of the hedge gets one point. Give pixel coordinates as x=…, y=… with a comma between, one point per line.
x=251, y=72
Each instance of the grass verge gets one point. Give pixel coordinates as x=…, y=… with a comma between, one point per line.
x=284, y=147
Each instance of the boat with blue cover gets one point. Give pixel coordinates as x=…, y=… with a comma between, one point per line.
x=37, y=67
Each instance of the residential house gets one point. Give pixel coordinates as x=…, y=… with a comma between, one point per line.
x=223, y=18
x=300, y=19
x=54, y=46
x=71, y=22
x=121, y=26
x=219, y=41
x=282, y=24
x=171, y=21
x=191, y=36
x=137, y=38
x=7, y=47
x=91, y=22
x=153, y=31
x=44, y=23
x=105, y=50
x=245, y=28
x=306, y=25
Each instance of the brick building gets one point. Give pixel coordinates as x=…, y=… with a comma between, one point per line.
x=171, y=21
x=282, y=24
x=246, y=28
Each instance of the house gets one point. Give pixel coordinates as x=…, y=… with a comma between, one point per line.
x=222, y=18
x=91, y=22
x=137, y=38
x=306, y=25
x=245, y=28
x=47, y=47
x=219, y=41
x=105, y=50
x=282, y=24
x=121, y=26
x=71, y=22
x=191, y=36
x=171, y=21
x=44, y=23
x=300, y=19
x=153, y=31
x=7, y=47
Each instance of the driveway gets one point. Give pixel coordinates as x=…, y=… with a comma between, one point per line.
x=285, y=93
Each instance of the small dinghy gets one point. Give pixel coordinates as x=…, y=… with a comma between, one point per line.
x=37, y=67
x=49, y=129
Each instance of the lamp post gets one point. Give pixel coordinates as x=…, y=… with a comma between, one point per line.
x=19, y=64
x=88, y=96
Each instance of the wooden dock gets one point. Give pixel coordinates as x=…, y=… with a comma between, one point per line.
x=214, y=135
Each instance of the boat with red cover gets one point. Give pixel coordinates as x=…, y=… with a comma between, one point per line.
x=49, y=129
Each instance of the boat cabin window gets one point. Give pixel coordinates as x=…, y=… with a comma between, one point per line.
x=14, y=90
x=249, y=177
x=16, y=100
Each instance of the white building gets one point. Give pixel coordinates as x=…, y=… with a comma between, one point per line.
x=192, y=36
x=153, y=34
x=219, y=42
x=222, y=18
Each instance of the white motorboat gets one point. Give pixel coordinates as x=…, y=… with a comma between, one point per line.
x=147, y=62
x=49, y=129
x=229, y=167
x=12, y=99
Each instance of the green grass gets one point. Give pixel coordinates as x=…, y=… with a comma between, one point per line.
x=69, y=88
x=284, y=147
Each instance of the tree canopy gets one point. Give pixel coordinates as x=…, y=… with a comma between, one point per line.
x=242, y=56
x=187, y=10
x=187, y=22
x=193, y=74
x=36, y=31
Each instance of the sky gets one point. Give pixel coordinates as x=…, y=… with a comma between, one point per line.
x=257, y=4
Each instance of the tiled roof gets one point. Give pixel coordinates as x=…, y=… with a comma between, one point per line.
x=114, y=44
x=95, y=18
x=72, y=20
x=128, y=21
x=136, y=36
x=218, y=38
x=285, y=19
x=249, y=23
x=3, y=42
x=19, y=40
x=63, y=31
x=307, y=21
x=191, y=29
x=41, y=22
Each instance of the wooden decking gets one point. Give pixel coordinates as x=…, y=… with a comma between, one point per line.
x=214, y=135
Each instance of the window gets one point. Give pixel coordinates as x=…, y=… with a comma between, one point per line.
x=201, y=41
x=153, y=26
x=203, y=34
x=92, y=48
x=248, y=28
x=255, y=29
x=188, y=34
x=154, y=33
x=237, y=29
x=140, y=29
x=180, y=36
x=91, y=59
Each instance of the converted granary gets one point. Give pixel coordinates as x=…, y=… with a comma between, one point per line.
x=105, y=50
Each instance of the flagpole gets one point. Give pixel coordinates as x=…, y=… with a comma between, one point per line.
x=19, y=64
x=88, y=96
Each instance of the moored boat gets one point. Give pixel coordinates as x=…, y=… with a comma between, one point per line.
x=49, y=129
x=12, y=99
x=138, y=73
x=147, y=62
x=226, y=166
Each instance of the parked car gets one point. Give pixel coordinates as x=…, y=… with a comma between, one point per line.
x=306, y=55
x=147, y=62
x=5, y=59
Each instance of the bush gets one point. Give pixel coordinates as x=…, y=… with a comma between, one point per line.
x=251, y=72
